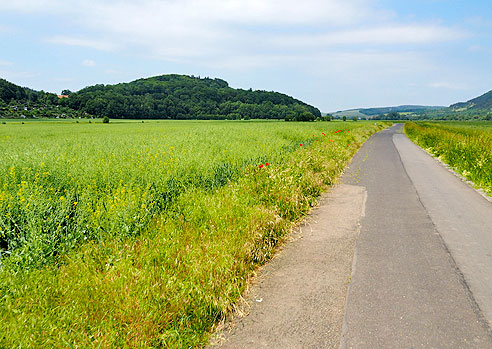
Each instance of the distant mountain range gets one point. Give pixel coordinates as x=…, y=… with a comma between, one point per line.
x=372, y=112
x=476, y=108
x=484, y=102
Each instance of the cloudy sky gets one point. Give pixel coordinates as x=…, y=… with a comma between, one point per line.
x=334, y=54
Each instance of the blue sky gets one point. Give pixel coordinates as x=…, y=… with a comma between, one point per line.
x=334, y=54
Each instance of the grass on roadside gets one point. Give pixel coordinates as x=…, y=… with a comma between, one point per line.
x=465, y=146
x=168, y=284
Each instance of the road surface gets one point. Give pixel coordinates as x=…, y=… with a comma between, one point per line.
x=298, y=300
x=421, y=271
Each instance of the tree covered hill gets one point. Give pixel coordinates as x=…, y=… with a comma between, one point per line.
x=479, y=108
x=23, y=102
x=483, y=102
x=160, y=97
x=184, y=97
x=10, y=91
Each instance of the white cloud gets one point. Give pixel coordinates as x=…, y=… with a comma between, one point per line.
x=388, y=35
x=212, y=31
x=229, y=32
x=347, y=41
x=88, y=63
x=269, y=12
x=102, y=45
x=448, y=85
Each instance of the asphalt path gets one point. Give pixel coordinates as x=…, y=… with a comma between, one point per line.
x=422, y=271
x=462, y=218
x=398, y=256
x=298, y=299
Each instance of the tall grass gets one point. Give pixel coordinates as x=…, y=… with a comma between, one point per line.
x=144, y=234
x=465, y=146
x=61, y=185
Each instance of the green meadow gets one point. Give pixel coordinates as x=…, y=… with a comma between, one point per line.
x=465, y=146
x=136, y=234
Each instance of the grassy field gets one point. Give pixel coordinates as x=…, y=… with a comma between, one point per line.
x=465, y=146
x=144, y=234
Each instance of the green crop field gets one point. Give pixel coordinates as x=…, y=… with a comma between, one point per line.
x=465, y=146
x=144, y=234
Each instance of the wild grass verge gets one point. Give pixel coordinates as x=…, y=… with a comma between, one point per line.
x=465, y=146
x=169, y=284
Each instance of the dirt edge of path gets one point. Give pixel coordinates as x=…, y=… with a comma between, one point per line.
x=298, y=298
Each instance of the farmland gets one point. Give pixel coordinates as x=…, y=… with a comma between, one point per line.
x=144, y=234
x=465, y=146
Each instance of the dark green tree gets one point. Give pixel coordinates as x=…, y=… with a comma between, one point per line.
x=305, y=116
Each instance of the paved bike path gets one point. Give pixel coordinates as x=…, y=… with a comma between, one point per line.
x=407, y=290
x=298, y=299
x=463, y=218
x=421, y=274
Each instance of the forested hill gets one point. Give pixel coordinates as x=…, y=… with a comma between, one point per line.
x=484, y=102
x=479, y=108
x=184, y=97
x=10, y=91
x=22, y=102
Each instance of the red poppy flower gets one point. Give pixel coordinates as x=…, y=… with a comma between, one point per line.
x=266, y=164
x=323, y=134
x=261, y=165
x=300, y=145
